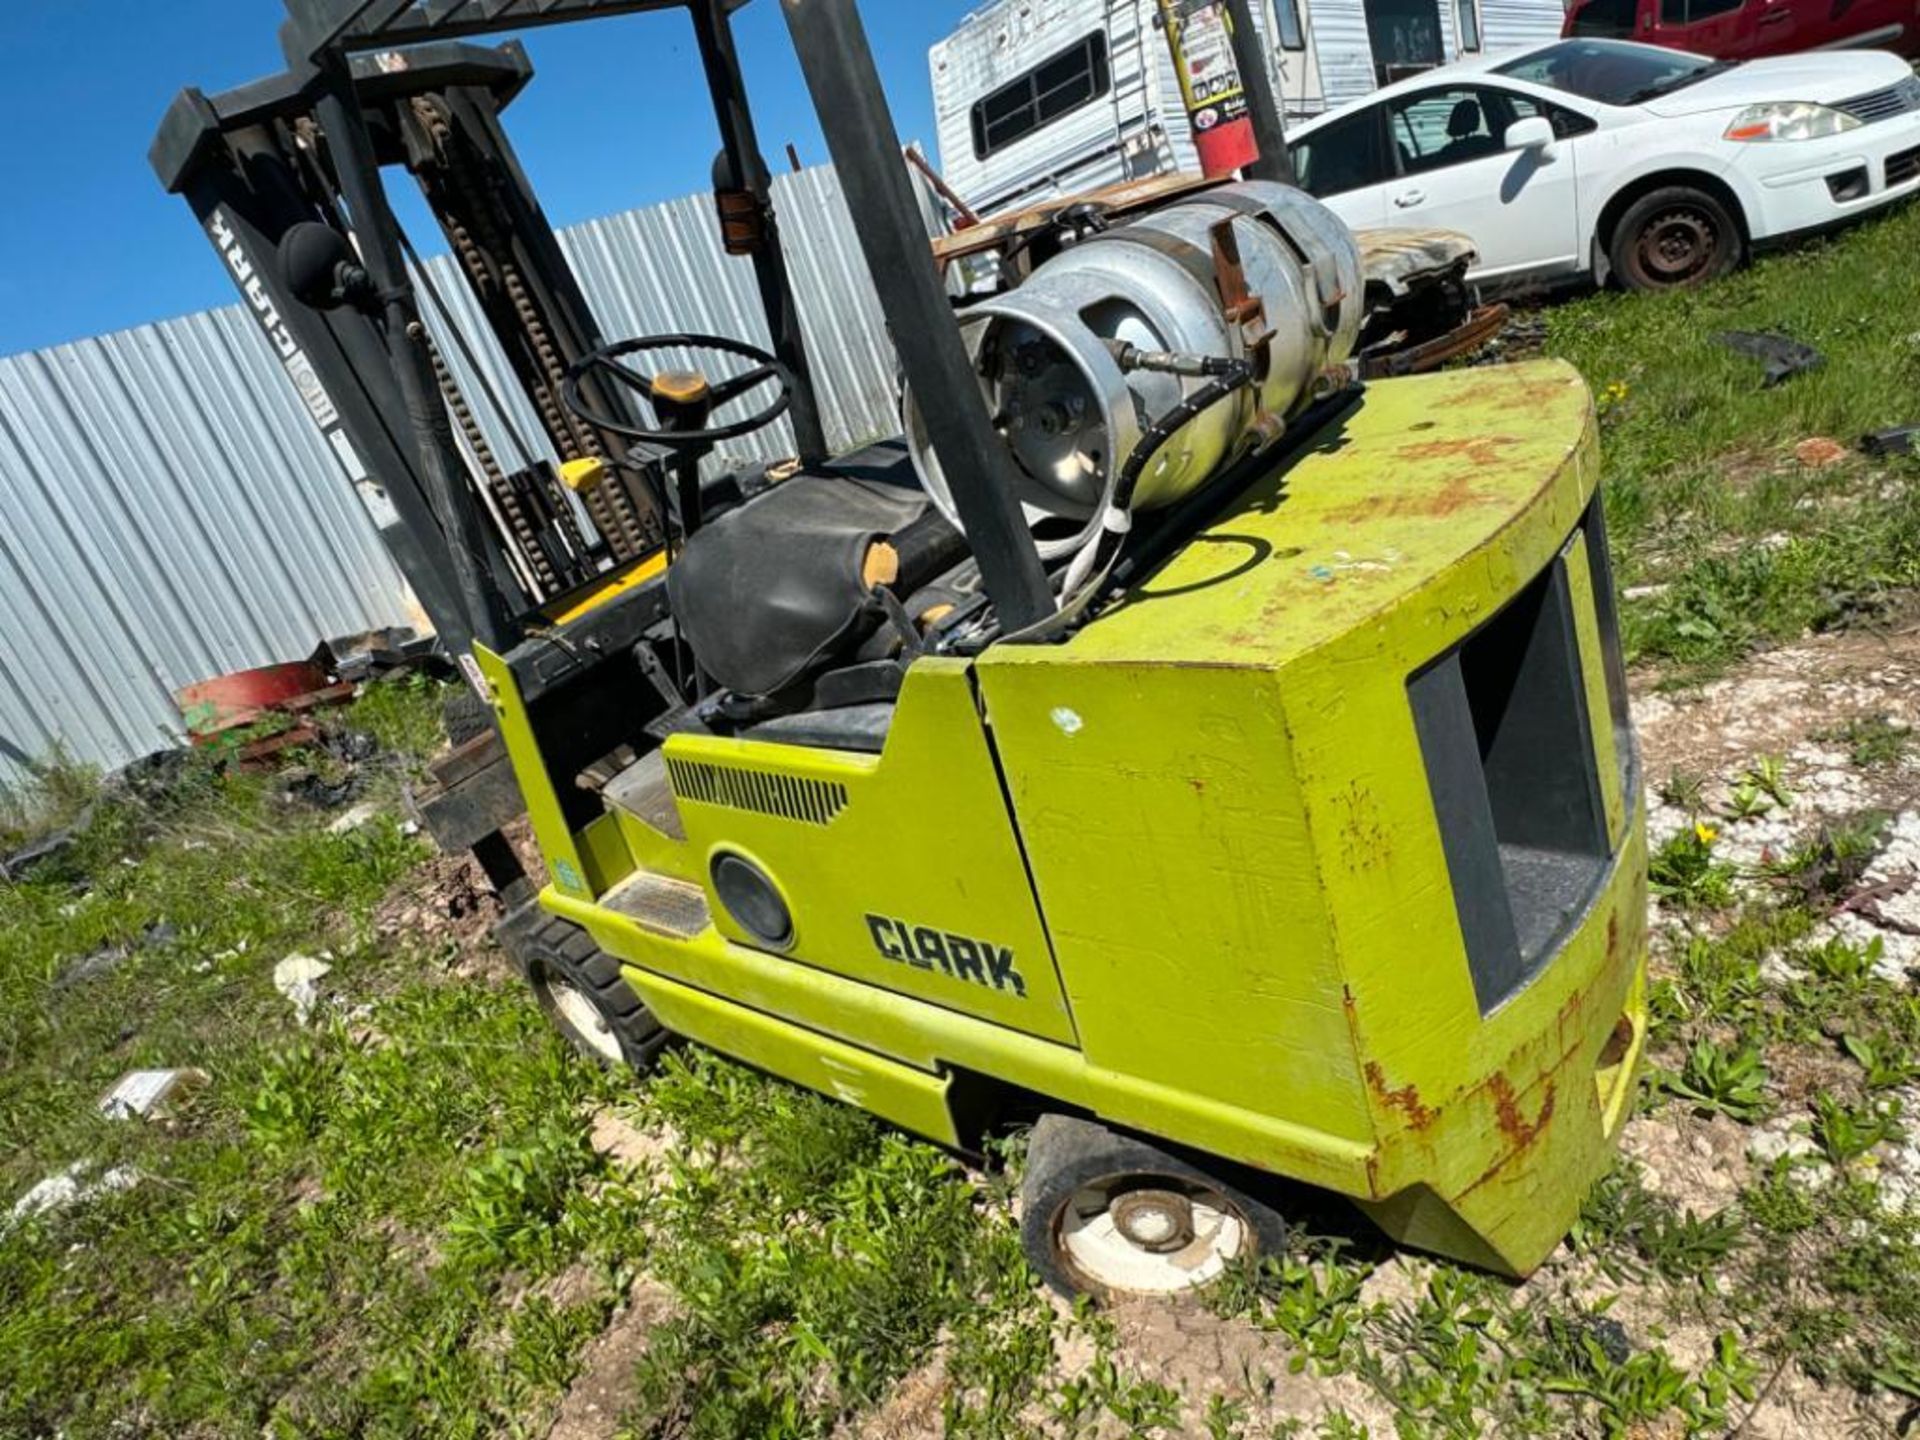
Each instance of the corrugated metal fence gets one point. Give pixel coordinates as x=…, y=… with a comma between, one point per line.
x=170, y=513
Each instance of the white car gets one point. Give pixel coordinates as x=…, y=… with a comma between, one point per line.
x=1658, y=168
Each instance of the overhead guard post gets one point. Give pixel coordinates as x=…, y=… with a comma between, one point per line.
x=832, y=45
x=715, y=34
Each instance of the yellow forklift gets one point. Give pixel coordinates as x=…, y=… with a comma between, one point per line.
x=1166, y=735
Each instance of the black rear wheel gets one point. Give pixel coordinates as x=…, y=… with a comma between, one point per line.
x=1675, y=238
x=583, y=993
x=1109, y=1216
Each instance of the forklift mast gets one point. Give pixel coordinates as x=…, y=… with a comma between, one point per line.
x=258, y=162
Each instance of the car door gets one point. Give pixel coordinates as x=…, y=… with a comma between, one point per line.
x=1344, y=163
x=1727, y=29
x=1455, y=173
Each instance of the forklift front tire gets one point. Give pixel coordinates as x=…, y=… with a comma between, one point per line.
x=580, y=988
x=1109, y=1216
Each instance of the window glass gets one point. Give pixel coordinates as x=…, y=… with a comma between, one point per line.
x=1405, y=35
x=1566, y=123
x=1469, y=23
x=1292, y=37
x=1612, y=73
x=1345, y=155
x=1057, y=86
x=1445, y=127
x=1688, y=12
x=1611, y=19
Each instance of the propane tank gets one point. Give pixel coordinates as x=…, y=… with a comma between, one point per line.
x=1052, y=355
x=1200, y=34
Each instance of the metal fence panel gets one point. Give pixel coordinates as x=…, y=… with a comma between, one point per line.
x=171, y=514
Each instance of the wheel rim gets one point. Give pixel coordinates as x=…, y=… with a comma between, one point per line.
x=583, y=1019
x=1678, y=246
x=1149, y=1235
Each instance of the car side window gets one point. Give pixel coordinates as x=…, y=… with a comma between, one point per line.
x=1346, y=155
x=1566, y=123
x=1606, y=19
x=1439, y=128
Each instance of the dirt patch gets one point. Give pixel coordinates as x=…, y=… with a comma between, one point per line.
x=1781, y=703
x=1181, y=1344
x=627, y=1144
x=449, y=905
x=914, y=1410
x=604, y=1387
x=1698, y=1164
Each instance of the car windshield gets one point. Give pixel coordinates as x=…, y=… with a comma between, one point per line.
x=1611, y=72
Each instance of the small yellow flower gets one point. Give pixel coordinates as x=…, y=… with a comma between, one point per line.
x=1705, y=833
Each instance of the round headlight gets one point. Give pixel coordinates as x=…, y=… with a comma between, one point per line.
x=753, y=901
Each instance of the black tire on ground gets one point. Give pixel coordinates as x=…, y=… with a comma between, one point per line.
x=1070, y=1159
x=464, y=715
x=580, y=988
x=1675, y=238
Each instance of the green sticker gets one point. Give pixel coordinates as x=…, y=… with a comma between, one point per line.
x=569, y=876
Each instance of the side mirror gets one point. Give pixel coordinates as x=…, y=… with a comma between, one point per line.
x=1533, y=133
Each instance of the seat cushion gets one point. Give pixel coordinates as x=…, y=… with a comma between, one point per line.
x=769, y=593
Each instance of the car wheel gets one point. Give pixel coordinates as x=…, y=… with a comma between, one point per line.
x=1675, y=238
x=1108, y=1216
x=583, y=993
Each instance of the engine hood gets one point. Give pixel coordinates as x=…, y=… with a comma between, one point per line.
x=1824, y=77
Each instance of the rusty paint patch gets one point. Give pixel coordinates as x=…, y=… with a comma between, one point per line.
x=1406, y=1099
x=1458, y=493
x=1475, y=449
x=1530, y=396
x=1515, y=1126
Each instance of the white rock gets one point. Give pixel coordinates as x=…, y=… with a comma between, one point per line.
x=69, y=1188
x=358, y=818
x=1764, y=1147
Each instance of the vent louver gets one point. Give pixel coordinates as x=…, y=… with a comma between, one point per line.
x=791, y=797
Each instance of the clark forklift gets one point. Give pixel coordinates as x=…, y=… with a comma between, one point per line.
x=1166, y=735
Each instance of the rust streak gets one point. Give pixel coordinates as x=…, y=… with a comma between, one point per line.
x=1515, y=1126
x=1406, y=1099
x=1456, y=494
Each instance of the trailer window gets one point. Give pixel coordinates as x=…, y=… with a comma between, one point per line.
x=1292, y=35
x=1469, y=26
x=1056, y=87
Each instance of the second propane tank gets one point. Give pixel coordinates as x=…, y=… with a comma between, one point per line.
x=1049, y=354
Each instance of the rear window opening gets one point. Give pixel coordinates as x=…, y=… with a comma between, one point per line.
x=1509, y=747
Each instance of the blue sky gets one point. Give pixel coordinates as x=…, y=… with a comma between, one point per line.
x=617, y=116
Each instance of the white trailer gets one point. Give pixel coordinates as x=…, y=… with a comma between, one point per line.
x=1035, y=98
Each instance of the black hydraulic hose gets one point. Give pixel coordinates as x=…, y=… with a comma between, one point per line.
x=1238, y=375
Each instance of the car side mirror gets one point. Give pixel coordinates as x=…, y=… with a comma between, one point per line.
x=1533, y=133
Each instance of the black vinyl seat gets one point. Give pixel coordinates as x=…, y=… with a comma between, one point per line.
x=771, y=593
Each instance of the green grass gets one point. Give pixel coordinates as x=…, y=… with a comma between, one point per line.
x=1705, y=496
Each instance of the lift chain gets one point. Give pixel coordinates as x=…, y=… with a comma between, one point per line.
x=488, y=259
x=503, y=493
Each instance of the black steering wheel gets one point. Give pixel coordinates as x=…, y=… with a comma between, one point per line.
x=683, y=400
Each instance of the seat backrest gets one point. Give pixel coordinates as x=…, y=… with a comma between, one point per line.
x=1464, y=121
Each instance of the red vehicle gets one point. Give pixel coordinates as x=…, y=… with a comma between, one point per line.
x=1748, y=29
